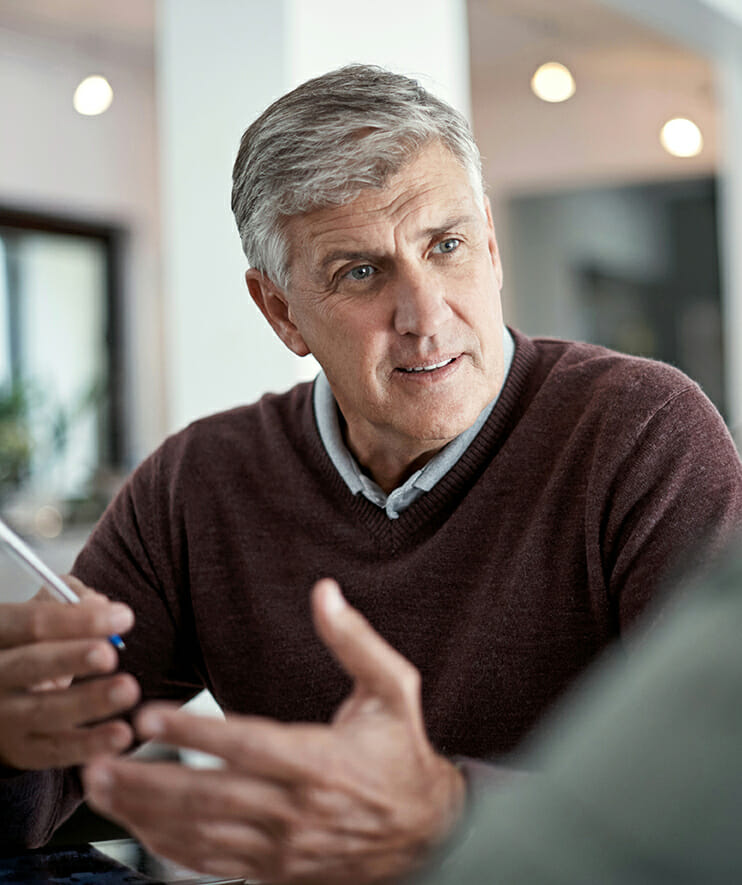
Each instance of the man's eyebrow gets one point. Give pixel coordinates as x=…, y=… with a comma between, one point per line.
x=428, y=233
x=348, y=255
x=449, y=225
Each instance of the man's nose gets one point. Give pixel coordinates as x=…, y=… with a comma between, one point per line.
x=420, y=306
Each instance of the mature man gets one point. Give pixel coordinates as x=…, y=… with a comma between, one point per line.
x=498, y=508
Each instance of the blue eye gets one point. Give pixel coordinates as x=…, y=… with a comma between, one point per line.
x=362, y=272
x=446, y=246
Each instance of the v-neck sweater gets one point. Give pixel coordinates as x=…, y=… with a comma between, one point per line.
x=328, y=418
x=594, y=476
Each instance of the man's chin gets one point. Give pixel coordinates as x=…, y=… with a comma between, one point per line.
x=437, y=431
x=446, y=417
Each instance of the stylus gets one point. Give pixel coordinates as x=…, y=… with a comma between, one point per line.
x=23, y=554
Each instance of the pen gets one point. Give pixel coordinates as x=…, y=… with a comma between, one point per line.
x=23, y=555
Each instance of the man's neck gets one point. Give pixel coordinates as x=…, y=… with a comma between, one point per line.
x=388, y=470
x=388, y=466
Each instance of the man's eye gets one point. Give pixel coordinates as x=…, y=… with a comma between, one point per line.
x=449, y=245
x=362, y=272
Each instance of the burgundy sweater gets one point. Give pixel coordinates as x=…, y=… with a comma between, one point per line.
x=594, y=474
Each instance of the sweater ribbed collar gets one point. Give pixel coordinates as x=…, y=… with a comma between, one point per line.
x=479, y=453
x=328, y=424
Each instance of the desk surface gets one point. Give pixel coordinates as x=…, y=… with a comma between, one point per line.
x=119, y=862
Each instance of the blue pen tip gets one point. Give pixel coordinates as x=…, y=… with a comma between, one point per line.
x=117, y=642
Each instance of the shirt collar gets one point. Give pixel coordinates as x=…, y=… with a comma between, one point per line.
x=328, y=425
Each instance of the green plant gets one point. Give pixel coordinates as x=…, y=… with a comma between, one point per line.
x=15, y=438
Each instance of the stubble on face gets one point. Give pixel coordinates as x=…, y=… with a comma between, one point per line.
x=397, y=296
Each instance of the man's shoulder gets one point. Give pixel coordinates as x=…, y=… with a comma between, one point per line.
x=220, y=457
x=273, y=421
x=272, y=409
x=598, y=370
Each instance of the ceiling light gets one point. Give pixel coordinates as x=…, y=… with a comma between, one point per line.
x=681, y=138
x=553, y=82
x=93, y=96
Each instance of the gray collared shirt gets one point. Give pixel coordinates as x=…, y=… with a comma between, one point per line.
x=423, y=480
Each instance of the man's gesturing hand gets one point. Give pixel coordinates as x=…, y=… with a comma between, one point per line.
x=43, y=646
x=360, y=800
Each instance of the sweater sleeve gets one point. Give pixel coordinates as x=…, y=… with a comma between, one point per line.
x=126, y=559
x=674, y=502
x=138, y=554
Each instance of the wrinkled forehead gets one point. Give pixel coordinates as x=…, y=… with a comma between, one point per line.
x=426, y=192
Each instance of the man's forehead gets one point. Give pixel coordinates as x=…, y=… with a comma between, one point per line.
x=427, y=194
x=415, y=208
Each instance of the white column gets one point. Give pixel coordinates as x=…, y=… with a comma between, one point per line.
x=220, y=63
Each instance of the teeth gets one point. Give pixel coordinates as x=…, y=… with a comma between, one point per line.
x=430, y=368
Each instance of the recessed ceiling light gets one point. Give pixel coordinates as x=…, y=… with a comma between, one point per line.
x=553, y=82
x=681, y=138
x=93, y=96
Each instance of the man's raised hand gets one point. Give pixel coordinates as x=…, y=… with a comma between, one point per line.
x=363, y=799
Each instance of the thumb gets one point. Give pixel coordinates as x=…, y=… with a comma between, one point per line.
x=82, y=590
x=377, y=668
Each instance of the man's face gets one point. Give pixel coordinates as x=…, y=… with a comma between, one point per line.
x=397, y=295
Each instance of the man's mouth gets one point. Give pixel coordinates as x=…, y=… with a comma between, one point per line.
x=431, y=367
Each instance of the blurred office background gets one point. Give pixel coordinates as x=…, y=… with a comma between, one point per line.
x=123, y=312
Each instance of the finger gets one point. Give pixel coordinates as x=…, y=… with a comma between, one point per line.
x=294, y=764
x=37, y=620
x=63, y=749
x=377, y=668
x=251, y=744
x=76, y=585
x=82, y=590
x=50, y=712
x=35, y=665
x=192, y=816
x=155, y=793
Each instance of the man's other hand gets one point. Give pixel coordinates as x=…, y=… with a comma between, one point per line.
x=44, y=645
x=361, y=800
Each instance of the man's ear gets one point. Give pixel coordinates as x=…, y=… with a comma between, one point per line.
x=492, y=240
x=274, y=306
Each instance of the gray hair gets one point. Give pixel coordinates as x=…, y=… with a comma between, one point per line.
x=322, y=143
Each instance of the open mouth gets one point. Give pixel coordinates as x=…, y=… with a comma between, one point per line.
x=429, y=368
